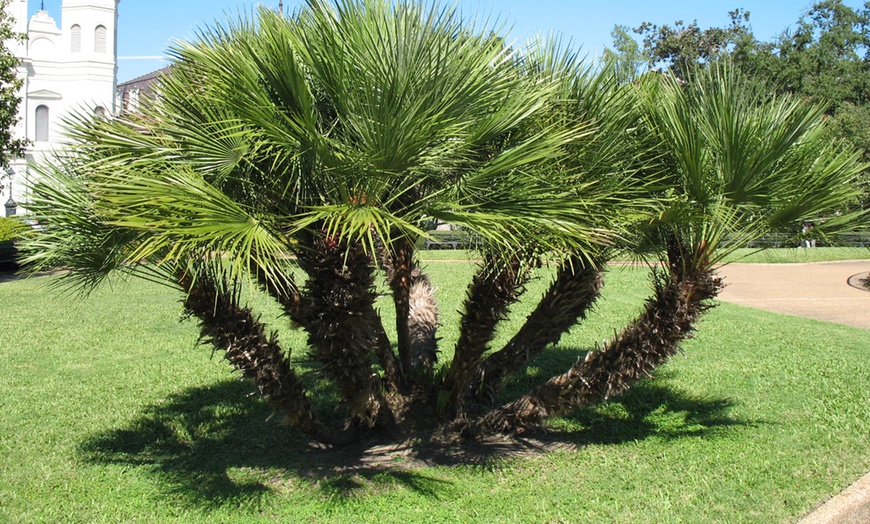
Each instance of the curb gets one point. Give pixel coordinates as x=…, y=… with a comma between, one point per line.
x=852, y=506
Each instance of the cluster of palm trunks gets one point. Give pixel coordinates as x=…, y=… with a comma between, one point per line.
x=336, y=309
x=322, y=144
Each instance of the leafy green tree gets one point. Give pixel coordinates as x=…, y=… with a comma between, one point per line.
x=324, y=142
x=851, y=124
x=825, y=58
x=825, y=55
x=627, y=58
x=822, y=57
x=10, y=84
x=680, y=47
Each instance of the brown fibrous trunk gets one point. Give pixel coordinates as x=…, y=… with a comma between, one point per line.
x=416, y=308
x=495, y=287
x=283, y=290
x=569, y=299
x=337, y=310
x=680, y=298
x=233, y=329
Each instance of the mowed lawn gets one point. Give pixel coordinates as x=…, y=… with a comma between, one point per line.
x=110, y=412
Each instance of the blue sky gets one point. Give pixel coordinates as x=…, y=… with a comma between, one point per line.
x=146, y=27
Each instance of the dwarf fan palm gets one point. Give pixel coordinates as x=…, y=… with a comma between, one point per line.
x=739, y=164
x=617, y=155
x=325, y=141
x=328, y=138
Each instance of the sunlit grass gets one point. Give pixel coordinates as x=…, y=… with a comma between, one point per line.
x=745, y=255
x=112, y=413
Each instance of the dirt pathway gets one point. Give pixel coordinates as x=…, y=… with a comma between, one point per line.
x=827, y=291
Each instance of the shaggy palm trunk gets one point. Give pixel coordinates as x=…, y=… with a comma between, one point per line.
x=337, y=310
x=282, y=289
x=568, y=300
x=399, y=279
x=233, y=329
x=416, y=308
x=681, y=296
x=493, y=289
x=422, y=321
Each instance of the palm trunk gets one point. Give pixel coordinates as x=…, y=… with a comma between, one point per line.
x=337, y=311
x=399, y=279
x=234, y=330
x=416, y=307
x=282, y=289
x=494, y=288
x=571, y=295
x=422, y=321
x=681, y=297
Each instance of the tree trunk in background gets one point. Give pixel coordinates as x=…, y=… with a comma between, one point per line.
x=337, y=310
x=570, y=297
x=416, y=307
x=233, y=329
x=681, y=297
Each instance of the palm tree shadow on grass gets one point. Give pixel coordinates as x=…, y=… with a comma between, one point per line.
x=651, y=408
x=216, y=445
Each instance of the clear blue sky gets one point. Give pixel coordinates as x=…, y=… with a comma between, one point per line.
x=146, y=27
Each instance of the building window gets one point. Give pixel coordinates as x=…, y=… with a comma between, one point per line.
x=42, y=124
x=100, y=39
x=76, y=36
x=133, y=100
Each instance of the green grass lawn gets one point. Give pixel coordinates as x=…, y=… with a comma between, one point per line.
x=798, y=255
x=769, y=256
x=110, y=412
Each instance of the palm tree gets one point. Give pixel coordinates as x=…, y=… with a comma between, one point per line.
x=615, y=156
x=325, y=141
x=740, y=164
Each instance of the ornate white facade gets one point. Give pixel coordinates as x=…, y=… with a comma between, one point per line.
x=66, y=68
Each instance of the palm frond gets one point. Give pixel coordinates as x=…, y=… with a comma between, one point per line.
x=743, y=163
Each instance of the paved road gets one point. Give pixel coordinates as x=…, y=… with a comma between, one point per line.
x=826, y=291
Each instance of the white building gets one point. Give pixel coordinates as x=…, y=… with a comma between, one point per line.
x=66, y=69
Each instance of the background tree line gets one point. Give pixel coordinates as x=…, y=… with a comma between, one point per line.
x=824, y=56
x=10, y=145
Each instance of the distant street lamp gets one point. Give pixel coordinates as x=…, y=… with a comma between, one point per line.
x=11, y=206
